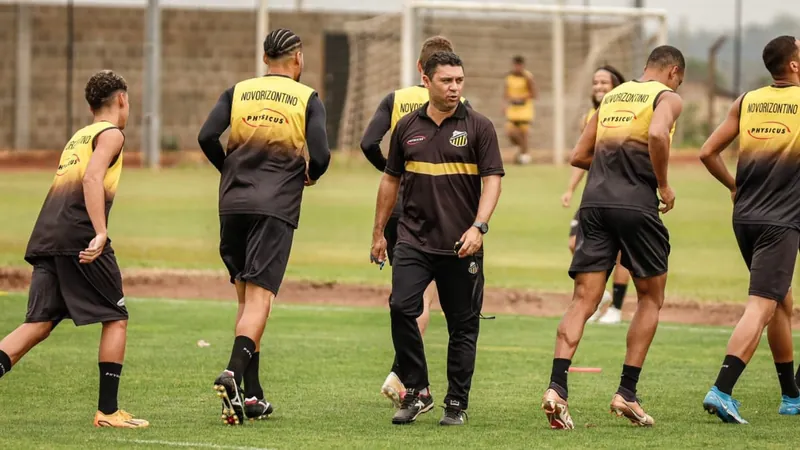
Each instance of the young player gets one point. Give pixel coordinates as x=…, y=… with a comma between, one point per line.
x=520, y=92
x=625, y=147
x=392, y=108
x=277, y=145
x=766, y=221
x=604, y=80
x=75, y=272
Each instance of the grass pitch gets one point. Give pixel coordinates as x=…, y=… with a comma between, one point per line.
x=322, y=368
x=169, y=219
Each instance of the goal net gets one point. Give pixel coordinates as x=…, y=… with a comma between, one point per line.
x=562, y=46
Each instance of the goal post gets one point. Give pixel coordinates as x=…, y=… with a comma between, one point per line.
x=567, y=85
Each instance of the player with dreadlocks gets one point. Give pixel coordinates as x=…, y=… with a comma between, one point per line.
x=605, y=79
x=277, y=145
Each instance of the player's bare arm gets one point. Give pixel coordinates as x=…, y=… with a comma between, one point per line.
x=109, y=144
x=387, y=196
x=575, y=178
x=533, y=91
x=720, y=139
x=583, y=152
x=473, y=239
x=666, y=113
x=319, y=154
x=217, y=122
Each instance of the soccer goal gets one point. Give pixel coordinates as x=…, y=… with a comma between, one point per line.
x=562, y=46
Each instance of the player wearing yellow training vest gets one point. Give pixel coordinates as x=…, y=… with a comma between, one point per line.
x=766, y=222
x=625, y=148
x=277, y=146
x=520, y=92
x=75, y=273
x=392, y=108
x=605, y=79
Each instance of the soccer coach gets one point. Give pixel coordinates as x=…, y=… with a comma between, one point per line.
x=444, y=151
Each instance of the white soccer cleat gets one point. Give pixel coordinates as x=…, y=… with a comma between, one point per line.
x=604, y=301
x=393, y=389
x=612, y=316
x=524, y=159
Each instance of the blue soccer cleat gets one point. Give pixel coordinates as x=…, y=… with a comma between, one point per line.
x=721, y=404
x=789, y=406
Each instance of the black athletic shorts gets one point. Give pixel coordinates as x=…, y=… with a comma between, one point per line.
x=770, y=252
x=390, y=233
x=63, y=288
x=255, y=248
x=641, y=237
x=573, y=225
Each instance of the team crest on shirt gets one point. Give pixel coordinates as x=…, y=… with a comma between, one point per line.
x=459, y=138
x=473, y=268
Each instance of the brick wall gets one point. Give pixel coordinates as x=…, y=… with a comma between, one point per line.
x=203, y=53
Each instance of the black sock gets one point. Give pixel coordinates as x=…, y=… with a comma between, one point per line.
x=109, y=387
x=558, y=377
x=619, y=295
x=797, y=377
x=628, y=381
x=5, y=363
x=252, y=385
x=243, y=349
x=732, y=368
x=786, y=378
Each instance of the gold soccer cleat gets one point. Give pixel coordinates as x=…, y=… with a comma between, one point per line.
x=631, y=411
x=393, y=389
x=119, y=419
x=557, y=411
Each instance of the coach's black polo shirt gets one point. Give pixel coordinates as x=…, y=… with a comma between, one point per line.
x=442, y=168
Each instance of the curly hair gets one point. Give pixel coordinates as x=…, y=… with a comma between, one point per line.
x=102, y=86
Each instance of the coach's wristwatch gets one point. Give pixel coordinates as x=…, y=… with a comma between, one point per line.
x=483, y=226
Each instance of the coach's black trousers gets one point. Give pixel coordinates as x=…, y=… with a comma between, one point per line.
x=460, y=286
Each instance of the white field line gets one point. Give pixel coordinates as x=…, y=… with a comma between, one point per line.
x=187, y=444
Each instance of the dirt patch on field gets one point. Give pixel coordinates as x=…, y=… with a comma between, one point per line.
x=215, y=285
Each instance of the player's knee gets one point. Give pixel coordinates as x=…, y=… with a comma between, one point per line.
x=119, y=325
x=40, y=330
x=411, y=309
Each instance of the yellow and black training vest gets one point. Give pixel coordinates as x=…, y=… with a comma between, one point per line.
x=265, y=166
x=621, y=174
x=520, y=108
x=63, y=226
x=768, y=172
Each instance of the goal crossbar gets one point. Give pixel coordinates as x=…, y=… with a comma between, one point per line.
x=557, y=12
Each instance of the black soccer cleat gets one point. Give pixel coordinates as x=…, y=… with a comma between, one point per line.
x=412, y=406
x=453, y=415
x=257, y=409
x=231, y=396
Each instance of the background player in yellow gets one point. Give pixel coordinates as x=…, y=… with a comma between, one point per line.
x=605, y=79
x=520, y=92
x=277, y=145
x=766, y=222
x=75, y=273
x=392, y=108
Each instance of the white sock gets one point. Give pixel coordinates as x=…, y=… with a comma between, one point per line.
x=426, y=392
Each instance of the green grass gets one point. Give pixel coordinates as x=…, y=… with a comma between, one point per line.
x=322, y=367
x=169, y=219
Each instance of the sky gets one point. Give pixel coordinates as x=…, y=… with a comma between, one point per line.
x=696, y=14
